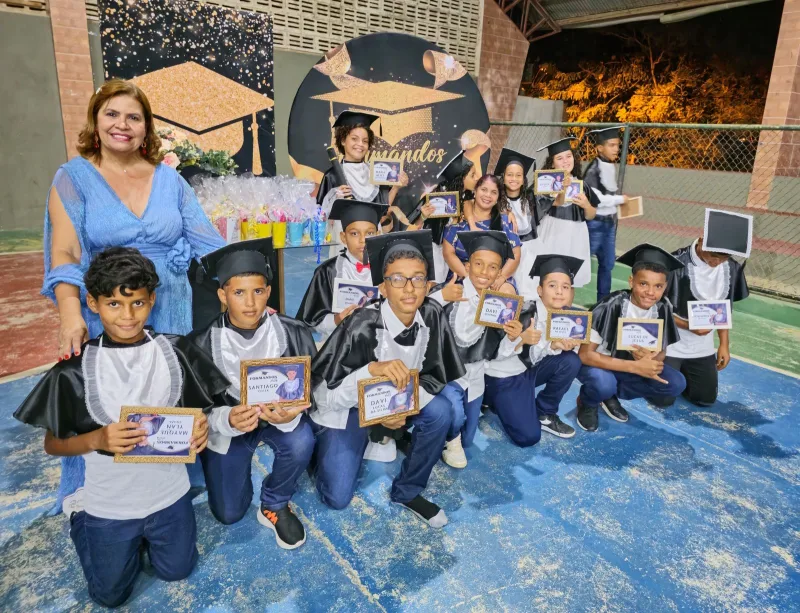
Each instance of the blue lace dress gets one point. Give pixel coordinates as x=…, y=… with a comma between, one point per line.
x=172, y=230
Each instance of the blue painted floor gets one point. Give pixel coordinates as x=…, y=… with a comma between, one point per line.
x=683, y=509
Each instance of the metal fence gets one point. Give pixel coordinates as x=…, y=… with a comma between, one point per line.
x=682, y=169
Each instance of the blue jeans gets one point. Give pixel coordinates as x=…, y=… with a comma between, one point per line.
x=556, y=373
x=338, y=454
x=228, y=476
x=514, y=401
x=599, y=385
x=108, y=549
x=466, y=414
x=602, y=240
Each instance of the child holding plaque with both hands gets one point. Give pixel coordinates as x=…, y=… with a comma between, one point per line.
x=249, y=330
x=401, y=333
x=78, y=402
x=609, y=373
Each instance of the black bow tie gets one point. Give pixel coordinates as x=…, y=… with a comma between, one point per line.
x=408, y=337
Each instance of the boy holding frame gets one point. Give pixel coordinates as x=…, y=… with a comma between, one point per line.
x=609, y=373
x=401, y=333
x=249, y=330
x=78, y=402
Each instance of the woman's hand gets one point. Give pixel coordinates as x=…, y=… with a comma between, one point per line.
x=344, y=191
x=72, y=335
x=499, y=281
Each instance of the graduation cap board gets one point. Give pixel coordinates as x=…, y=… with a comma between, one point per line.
x=214, y=111
x=379, y=248
x=455, y=167
x=727, y=232
x=349, y=211
x=403, y=109
x=490, y=240
x=509, y=156
x=605, y=134
x=651, y=254
x=559, y=146
x=239, y=258
x=544, y=265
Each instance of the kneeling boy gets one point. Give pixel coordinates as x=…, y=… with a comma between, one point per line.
x=403, y=332
x=249, y=330
x=609, y=373
x=78, y=402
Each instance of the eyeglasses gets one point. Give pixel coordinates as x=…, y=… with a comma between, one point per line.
x=399, y=281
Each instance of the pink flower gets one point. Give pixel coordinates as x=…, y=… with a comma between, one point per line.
x=172, y=160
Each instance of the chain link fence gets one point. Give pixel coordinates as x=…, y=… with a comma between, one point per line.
x=682, y=169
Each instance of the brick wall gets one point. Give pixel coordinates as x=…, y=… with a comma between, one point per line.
x=73, y=65
x=503, y=53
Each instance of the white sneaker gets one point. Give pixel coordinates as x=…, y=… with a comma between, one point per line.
x=453, y=454
x=385, y=451
x=73, y=503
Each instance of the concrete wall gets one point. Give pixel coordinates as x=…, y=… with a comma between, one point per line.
x=531, y=110
x=31, y=130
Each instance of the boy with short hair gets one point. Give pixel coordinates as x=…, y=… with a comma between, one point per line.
x=360, y=220
x=601, y=179
x=79, y=401
x=609, y=373
x=401, y=333
x=249, y=330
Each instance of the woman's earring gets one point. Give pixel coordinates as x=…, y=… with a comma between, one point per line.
x=144, y=149
x=96, y=141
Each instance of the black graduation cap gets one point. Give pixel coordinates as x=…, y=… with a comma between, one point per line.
x=490, y=240
x=509, y=156
x=543, y=265
x=348, y=211
x=380, y=247
x=559, y=146
x=652, y=254
x=604, y=134
x=726, y=232
x=455, y=167
x=354, y=118
x=239, y=258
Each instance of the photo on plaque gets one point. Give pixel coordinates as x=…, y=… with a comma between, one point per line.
x=379, y=399
x=286, y=381
x=347, y=292
x=565, y=324
x=169, y=435
x=446, y=204
x=710, y=315
x=548, y=182
x=385, y=172
x=496, y=309
x=572, y=190
x=645, y=333
x=632, y=208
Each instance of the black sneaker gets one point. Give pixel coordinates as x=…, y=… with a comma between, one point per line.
x=554, y=425
x=587, y=416
x=289, y=532
x=614, y=409
x=404, y=443
x=428, y=512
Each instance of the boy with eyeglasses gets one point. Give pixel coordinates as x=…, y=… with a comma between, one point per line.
x=401, y=333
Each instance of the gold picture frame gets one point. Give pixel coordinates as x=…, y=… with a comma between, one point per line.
x=135, y=458
x=301, y=361
x=363, y=386
x=446, y=195
x=571, y=315
x=623, y=321
x=375, y=161
x=488, y=293
x=543, y=172
x=579, y=183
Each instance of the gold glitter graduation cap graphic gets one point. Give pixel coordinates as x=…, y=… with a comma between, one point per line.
x=403, y=109
x=212, y=109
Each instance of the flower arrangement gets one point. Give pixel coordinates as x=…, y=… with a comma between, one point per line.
x=180, y=153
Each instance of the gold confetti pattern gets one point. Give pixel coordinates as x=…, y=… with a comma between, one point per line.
x=388, y=96
x=337, y=62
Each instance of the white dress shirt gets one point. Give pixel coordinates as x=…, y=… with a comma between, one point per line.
x=345, y=269
x=608, y=177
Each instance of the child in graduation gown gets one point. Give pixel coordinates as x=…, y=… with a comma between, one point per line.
x=609, y=373
x=563, y=229
x=249, y=330
x=403, y=332
x=359, y=220
x=124, y=506
x=488, y=251
x=512, y=378
x=707, y=275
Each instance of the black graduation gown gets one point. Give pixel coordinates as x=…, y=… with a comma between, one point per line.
x=299, y=342
x=437, y=225
x=607, y=312
x=570, y=212
x=329, y=182
x=679, y=286
x=58, y=402
x=353, y=345
x=591, y=179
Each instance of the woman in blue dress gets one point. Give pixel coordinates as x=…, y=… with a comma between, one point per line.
x=117, y=193
x=485, y=216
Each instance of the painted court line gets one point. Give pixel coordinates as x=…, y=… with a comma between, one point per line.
x=772, y=368
x=27, y=373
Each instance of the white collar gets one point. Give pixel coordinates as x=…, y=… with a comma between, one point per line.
x=469, y=289
x=707, y=282
x=350, y=257
x=393, y=325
